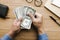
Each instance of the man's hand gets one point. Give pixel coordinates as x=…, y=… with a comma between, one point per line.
x=15, y=27
x=37, y=21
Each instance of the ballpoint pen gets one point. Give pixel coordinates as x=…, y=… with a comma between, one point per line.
x=54, y=20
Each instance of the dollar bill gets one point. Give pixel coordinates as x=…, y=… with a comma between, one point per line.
x=22, y=12
x=31, y=10
x=26, y=24
x=19, y=12
x=28, y=10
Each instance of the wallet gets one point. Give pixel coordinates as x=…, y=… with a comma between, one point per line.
x=3, y=11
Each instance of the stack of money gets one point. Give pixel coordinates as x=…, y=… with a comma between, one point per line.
x=22, y=12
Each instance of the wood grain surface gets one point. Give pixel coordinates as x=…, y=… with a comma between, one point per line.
x=51, y=28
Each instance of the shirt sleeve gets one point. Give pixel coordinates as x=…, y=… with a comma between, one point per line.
x=0, y=38
x=6, y=37
x=43, y=37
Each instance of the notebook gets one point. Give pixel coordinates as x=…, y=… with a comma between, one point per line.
x=52, y=8
x=56, y=3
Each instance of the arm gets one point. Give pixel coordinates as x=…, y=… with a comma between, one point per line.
x=42, y=35
x=6, y=37
x=38, y=21
x=14, y=30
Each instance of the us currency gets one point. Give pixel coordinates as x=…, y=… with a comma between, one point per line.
x=27, y=20
x=18, y=12
x=22, y=12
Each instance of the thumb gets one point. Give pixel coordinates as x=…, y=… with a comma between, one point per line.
x=31, y=16
x=20, y=19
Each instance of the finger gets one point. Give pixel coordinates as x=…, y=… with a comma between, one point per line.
x=18, y=30
x=20, y=19
x=15, y=20
x=31, y=16
x=38, y=15
x=18, y=23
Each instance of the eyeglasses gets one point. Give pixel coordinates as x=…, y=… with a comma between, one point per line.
x=37, y=3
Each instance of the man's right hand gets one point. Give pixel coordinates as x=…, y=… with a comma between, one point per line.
x=37, y=21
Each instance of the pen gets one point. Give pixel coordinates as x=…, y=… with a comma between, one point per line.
x=54, y=20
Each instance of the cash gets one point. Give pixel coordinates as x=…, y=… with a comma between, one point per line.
x=22, y=12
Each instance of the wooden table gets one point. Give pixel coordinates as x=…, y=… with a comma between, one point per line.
x=51, y=28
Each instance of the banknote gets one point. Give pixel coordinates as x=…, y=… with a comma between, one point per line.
x=28, y=20
x=28, y=10
x=26, y=24
x=22, y=12
x=19, y=12
x=31, y=10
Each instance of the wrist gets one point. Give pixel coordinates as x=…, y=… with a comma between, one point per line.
x=11, y=34
x=41, y=31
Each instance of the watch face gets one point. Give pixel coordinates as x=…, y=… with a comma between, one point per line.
x=38, y=3
x=29, y=1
